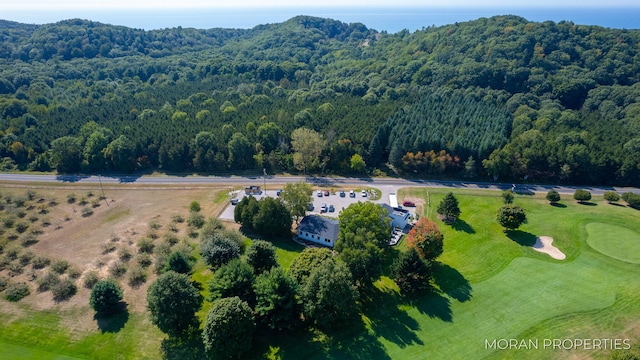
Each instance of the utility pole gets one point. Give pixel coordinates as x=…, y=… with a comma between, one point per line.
x=264, y=171
x=102, y=189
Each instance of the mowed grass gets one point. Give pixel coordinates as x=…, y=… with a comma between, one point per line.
x=615, y=241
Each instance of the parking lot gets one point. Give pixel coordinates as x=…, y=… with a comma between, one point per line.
x=333, y=198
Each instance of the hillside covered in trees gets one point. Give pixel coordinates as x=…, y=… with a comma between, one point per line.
x=497, y=97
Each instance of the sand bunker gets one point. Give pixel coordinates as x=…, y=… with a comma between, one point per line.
x=543, y=245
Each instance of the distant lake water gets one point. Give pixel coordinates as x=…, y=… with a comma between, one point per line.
x=388, y=19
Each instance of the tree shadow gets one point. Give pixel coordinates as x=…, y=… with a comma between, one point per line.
x=387, y=320
x=522, y=237
x=558, y=205
x=616, y=204
x=114, y=322
x=188, y=347
x=587, y=203
x=461, y=225
x=434, y=305
x=451, y=282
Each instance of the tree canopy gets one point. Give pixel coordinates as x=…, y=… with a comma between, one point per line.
x=172, y=301
x=366, y=215
x=228, y=329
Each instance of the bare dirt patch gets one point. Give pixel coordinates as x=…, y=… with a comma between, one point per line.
x=544, y=245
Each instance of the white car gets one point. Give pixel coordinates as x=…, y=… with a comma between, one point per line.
x=319, y=193
x=323, y=208
x=364, y=193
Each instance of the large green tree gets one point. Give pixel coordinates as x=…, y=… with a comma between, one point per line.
x=411, y=272
x=277, y=303
x=172, y=301
x=307, y=145
x=273, y=218
x=511, y=217
x=426, y=238
x=218, y=250
x=105, y=297
x=233, y=279
x=330, y=297
x=228, y=329
x=449, y=209
x=362, y=255
x=297, y=196
x=366, y=215
x=261, y=255
x=66, y=154
x=307, y=261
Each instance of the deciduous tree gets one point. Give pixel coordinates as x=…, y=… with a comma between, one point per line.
x=228, y=329
x=296, y=197
x=173, y=301
x=511, y=217
x=261, y=255
x=366, y=215
x=426, y=238
x=233, y=279
x=105, y=297
x=411, y=272
x=277, y=304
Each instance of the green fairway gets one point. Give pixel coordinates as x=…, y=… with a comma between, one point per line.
x=618, y=242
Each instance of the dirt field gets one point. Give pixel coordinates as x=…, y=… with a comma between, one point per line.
x=92, y=236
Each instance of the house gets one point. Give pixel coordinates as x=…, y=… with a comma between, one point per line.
x=318, y=229
x=399, y=217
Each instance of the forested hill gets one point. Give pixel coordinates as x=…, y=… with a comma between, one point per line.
x=496, y=97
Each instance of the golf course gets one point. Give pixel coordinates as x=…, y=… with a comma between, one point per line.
x=487, y=285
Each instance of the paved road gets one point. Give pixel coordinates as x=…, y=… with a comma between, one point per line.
x=272, y=180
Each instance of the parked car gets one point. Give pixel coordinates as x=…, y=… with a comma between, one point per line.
x=234, y=201
x=331, y=208
x=326, y=193
x=364, y=193
x=342, y=194
x=310, y=207
x=323, y=208
x=408, y=203
x=352, y=194
x=319, y=193
x=278, y=192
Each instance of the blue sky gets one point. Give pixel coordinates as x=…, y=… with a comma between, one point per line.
x=39, y=5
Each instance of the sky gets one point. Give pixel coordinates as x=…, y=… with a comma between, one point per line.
x=40, y=5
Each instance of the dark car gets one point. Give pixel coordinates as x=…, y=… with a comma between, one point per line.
x=331, y=208
x=279, y=192
x=326, y=193
x=408, y=203
x=342, y=194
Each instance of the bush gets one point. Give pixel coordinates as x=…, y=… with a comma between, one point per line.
x=60, y=266
x=90, y=279
x=144, y=260
x=3, y=283
x=217, y=251
x=194, y=206
x=124, y=254
x=145, y=245
x=28, y=239
x=582, y=195
x=632, y=199
x=507, y=196
x=105, y=297
x=137, y=276
x=195, y=219
x=118, y=269
x=553, y=196
x=48, y=281
x=40, y=262
x=179, y=262
x=71, y=198
x=511, y=217
x=611, y=196
x=64, y=290
x=14, y=269
x=16, y=291
x=26, y=257
x=177, y=218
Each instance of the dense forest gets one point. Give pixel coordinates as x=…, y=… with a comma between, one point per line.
x=493, y=98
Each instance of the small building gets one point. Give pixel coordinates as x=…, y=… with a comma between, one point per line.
x=399, y=217
x=393, y=200
x=318, y=229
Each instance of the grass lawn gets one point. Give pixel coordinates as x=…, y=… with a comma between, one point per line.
x=488, y=285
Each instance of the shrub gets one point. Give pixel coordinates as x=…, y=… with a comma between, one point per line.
x=137, y=276
x=217, y=251
x=124, y=254
x=60, y=266
x=154, y=225
x=611, y=196
x=144, y=260
x=86, y=211
x=108, y=247
x=71, y=198
x=511, y=217
x=145, y=245
x=118, y=269
x=47, y=281
x=90, y=279
x=105, y=297
x=12, y=252
x=26, y=257
x=74, y=273
x=3, y=283
x=507, y=196
x=194, y=206
x=28, y=239
x=16, y=291
x=15, y=269
x=64, y=290
x=582, y=195
x=632, y=199
x=195, y=219
x=177, y=218
x=553, y=196
x=40, y=262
